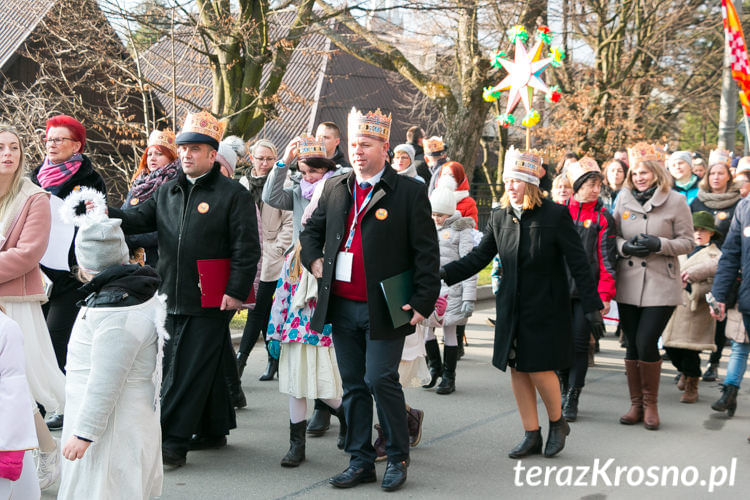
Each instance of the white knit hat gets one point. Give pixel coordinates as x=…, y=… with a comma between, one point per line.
x=406, y=148
x=681, y=155
x=443, y=201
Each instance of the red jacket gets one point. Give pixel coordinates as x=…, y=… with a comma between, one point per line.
x=467, y=206
x=597, y=230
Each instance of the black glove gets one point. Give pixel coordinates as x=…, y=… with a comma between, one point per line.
x=632, y=247
x=443, y=274
x=596, y=322
x=653, y=243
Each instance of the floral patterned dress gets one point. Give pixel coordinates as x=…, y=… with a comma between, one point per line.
x=307, y=365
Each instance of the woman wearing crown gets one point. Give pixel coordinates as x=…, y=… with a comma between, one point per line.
x=535, y=238
x=654, y=227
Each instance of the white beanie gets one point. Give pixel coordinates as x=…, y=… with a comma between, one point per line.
x=406, y=148
x=99, y=243
x=443, y=201
x=681, y=155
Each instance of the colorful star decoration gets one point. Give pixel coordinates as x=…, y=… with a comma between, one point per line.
x=524, y=75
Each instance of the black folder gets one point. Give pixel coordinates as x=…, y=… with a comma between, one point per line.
x=397, y=291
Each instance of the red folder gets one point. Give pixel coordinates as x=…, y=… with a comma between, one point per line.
x=214, y=276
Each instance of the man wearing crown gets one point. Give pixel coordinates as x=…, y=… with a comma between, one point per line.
x=199, y=215
x=370, y=225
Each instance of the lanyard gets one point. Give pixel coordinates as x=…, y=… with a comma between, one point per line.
x=356, y=215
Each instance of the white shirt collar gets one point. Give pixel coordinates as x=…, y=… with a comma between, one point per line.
x=372, y=180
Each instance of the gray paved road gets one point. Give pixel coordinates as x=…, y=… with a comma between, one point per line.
x=468, y=434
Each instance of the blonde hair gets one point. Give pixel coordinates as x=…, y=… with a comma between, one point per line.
x=560, y=179
x=15, y=184
x=265, y=143
x=532, y=197
x=705, y=186
x=663, y=179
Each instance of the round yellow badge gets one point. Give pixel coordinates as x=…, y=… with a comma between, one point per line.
x=445, y=235
x=134, y=201
x=203, y=207
x=587, y=223
x=625, y=214
x=381, y=214
x=722, y=215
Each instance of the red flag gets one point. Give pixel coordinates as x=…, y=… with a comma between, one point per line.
x=739, y=62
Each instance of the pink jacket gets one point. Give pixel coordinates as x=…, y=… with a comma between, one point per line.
x=27, y=233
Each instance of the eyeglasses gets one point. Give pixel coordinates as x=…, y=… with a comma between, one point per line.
x=266, y=160
x=58, y=140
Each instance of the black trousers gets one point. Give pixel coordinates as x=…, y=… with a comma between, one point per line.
x=642, y=327
x=257, y=318
x=576, y=374
x=369, y=368
x=60, y=313
x=720, y=339
x=687, y=361
x=194, y=396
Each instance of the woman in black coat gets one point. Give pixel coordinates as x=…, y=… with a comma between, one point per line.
x=534, y=238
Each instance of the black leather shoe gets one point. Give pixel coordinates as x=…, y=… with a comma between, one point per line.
x=271, y=368
x=530, y=445
x=353, y=476
x=394, y=477
x=319, y=423
x=556, y=437
x=207, y=442
x=55, y=422
x=171, y=458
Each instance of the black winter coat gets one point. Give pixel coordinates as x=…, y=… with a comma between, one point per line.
x=400, y=238
x=722, y=217
x=213, y=219
x=533, y=303
x=64, y=281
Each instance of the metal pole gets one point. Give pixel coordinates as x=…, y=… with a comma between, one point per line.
x=728, y=107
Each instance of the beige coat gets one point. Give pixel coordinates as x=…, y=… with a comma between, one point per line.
x=691, y=325
x=277, y=227
x=655, y=279
x=735, y=326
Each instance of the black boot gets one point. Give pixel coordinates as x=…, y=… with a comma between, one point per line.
x=448, y=381
x=562, y=376
x=530, y=445
x=570, y=410
x=242, y=362
x=556, y=437
x=341, y=440
x=271, y=368
x=296, y=453
x=711, y=372
x=728, y=400
x=433, y=362
x=320, y=421
x=460, y=335
x=232, y=379
x=238, y=395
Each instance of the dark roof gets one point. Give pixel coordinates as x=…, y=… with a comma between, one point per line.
x=320, y=84
x=18, y=18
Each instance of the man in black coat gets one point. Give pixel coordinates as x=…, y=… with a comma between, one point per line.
x=199, y=215
x=370, y=225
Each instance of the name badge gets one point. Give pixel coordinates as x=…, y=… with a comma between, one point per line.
x=344, y=263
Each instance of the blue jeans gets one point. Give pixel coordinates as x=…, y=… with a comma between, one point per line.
x=737, y=363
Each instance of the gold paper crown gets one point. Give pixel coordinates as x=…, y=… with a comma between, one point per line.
x=434, y=144
x=374, y=125
x=644, y=151
x=163, y=138
x=204, y=123
x=308, y=147
x=526, y=165
x=719, y=156
x=578, y=169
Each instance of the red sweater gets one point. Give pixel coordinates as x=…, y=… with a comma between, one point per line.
x=356, y=289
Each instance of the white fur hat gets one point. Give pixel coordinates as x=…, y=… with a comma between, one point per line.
x=443, y=201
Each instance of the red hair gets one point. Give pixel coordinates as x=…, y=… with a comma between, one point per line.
x=143, y=165
x=75, y=128
x=458, y=171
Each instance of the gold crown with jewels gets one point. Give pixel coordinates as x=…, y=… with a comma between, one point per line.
x=308, y=147
x=644, y=151
x=164, y=138
x=204, y=123
x=719, y=156
x=375, y=125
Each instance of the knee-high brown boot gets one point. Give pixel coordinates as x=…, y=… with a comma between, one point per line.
x=650, y=375
x=635, y=413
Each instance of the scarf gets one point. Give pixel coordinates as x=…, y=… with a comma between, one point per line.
x=145, y=185
x=55, y=174
x=255, y=186
x=718, y=201
x=410, y=171
x=643, y=196
x=308, y=188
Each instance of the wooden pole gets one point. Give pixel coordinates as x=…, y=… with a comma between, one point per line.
x=747, y=131
x=528, y=138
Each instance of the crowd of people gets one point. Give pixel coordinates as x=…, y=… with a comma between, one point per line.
x=350, y=258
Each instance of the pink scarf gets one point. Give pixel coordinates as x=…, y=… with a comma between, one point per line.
x=54, y=174
x=308, y=188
